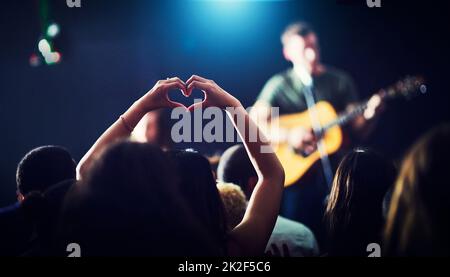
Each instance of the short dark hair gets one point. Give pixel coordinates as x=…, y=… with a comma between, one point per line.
x=44, y=167
x=302, y=29
x=235, y=167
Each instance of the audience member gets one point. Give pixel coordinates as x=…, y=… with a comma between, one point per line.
x=354, y=215
x=419, y=215
x=298, y=240
x=28, y=219
x=251, y=235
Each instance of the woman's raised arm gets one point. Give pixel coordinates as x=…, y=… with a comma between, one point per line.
x=156, y=98
x=250, y=237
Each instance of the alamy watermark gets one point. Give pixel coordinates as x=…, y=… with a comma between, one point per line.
x=73, y=3
x=73, y=250
x=216, y=131
x=370, y=3
x=374, y=250
x=373, y=3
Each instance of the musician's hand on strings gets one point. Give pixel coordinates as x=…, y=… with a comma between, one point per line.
x=303, y=140
x=364, y=125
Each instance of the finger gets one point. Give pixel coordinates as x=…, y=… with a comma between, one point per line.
x=311, y=143
x=178, y=80
x=199, y=85
x=175, y=85
x=174, y=79
x=197, y=78
x=309, y=149
x=173, y=104
x=205, y=87
x=308, y=137
x=172, y=86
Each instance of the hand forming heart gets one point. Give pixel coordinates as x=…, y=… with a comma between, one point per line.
x=215, y=96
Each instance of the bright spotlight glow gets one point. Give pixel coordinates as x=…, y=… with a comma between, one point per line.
x=44, y=47
x=230, y=1
x=53, y=30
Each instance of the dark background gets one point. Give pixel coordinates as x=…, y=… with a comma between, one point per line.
x=114, y=51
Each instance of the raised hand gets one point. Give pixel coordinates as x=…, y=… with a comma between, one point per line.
x=158, y=96
x=215, y=96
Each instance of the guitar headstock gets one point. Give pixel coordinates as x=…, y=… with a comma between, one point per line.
x=407, y=88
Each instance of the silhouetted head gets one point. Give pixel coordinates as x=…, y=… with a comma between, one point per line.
x=235, y=167
x=155, y=128
x=42, y=168
x=419, y=215
x=354, y=214
x=130, y=205
x=199, y=189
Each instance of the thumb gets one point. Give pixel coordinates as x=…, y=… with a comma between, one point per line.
x=173, y=104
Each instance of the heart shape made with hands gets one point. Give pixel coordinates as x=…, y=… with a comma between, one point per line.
x=185, y=98
x=188, y=89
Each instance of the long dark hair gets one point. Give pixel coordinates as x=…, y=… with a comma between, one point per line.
x=419, y=215
x=354, y=215
x=198, y=187
x=130, y=205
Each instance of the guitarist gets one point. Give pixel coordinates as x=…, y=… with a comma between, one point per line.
x=285, y=90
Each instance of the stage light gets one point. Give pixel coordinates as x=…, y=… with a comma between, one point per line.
x=53, y=30
x=56, y=57
x=35, y=60
x=52, y=58
x=49, y=59
x=44, y=47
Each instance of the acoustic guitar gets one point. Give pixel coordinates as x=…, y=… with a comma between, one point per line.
x=296, y=164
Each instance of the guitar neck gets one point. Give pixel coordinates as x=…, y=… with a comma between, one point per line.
x=406, y=88
x=403, y=88
x=346, y=117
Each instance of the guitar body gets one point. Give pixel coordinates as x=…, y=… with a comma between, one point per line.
x=296, y=165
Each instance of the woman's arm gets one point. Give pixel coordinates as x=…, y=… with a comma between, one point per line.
x=250, y=237
x=156, y=98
